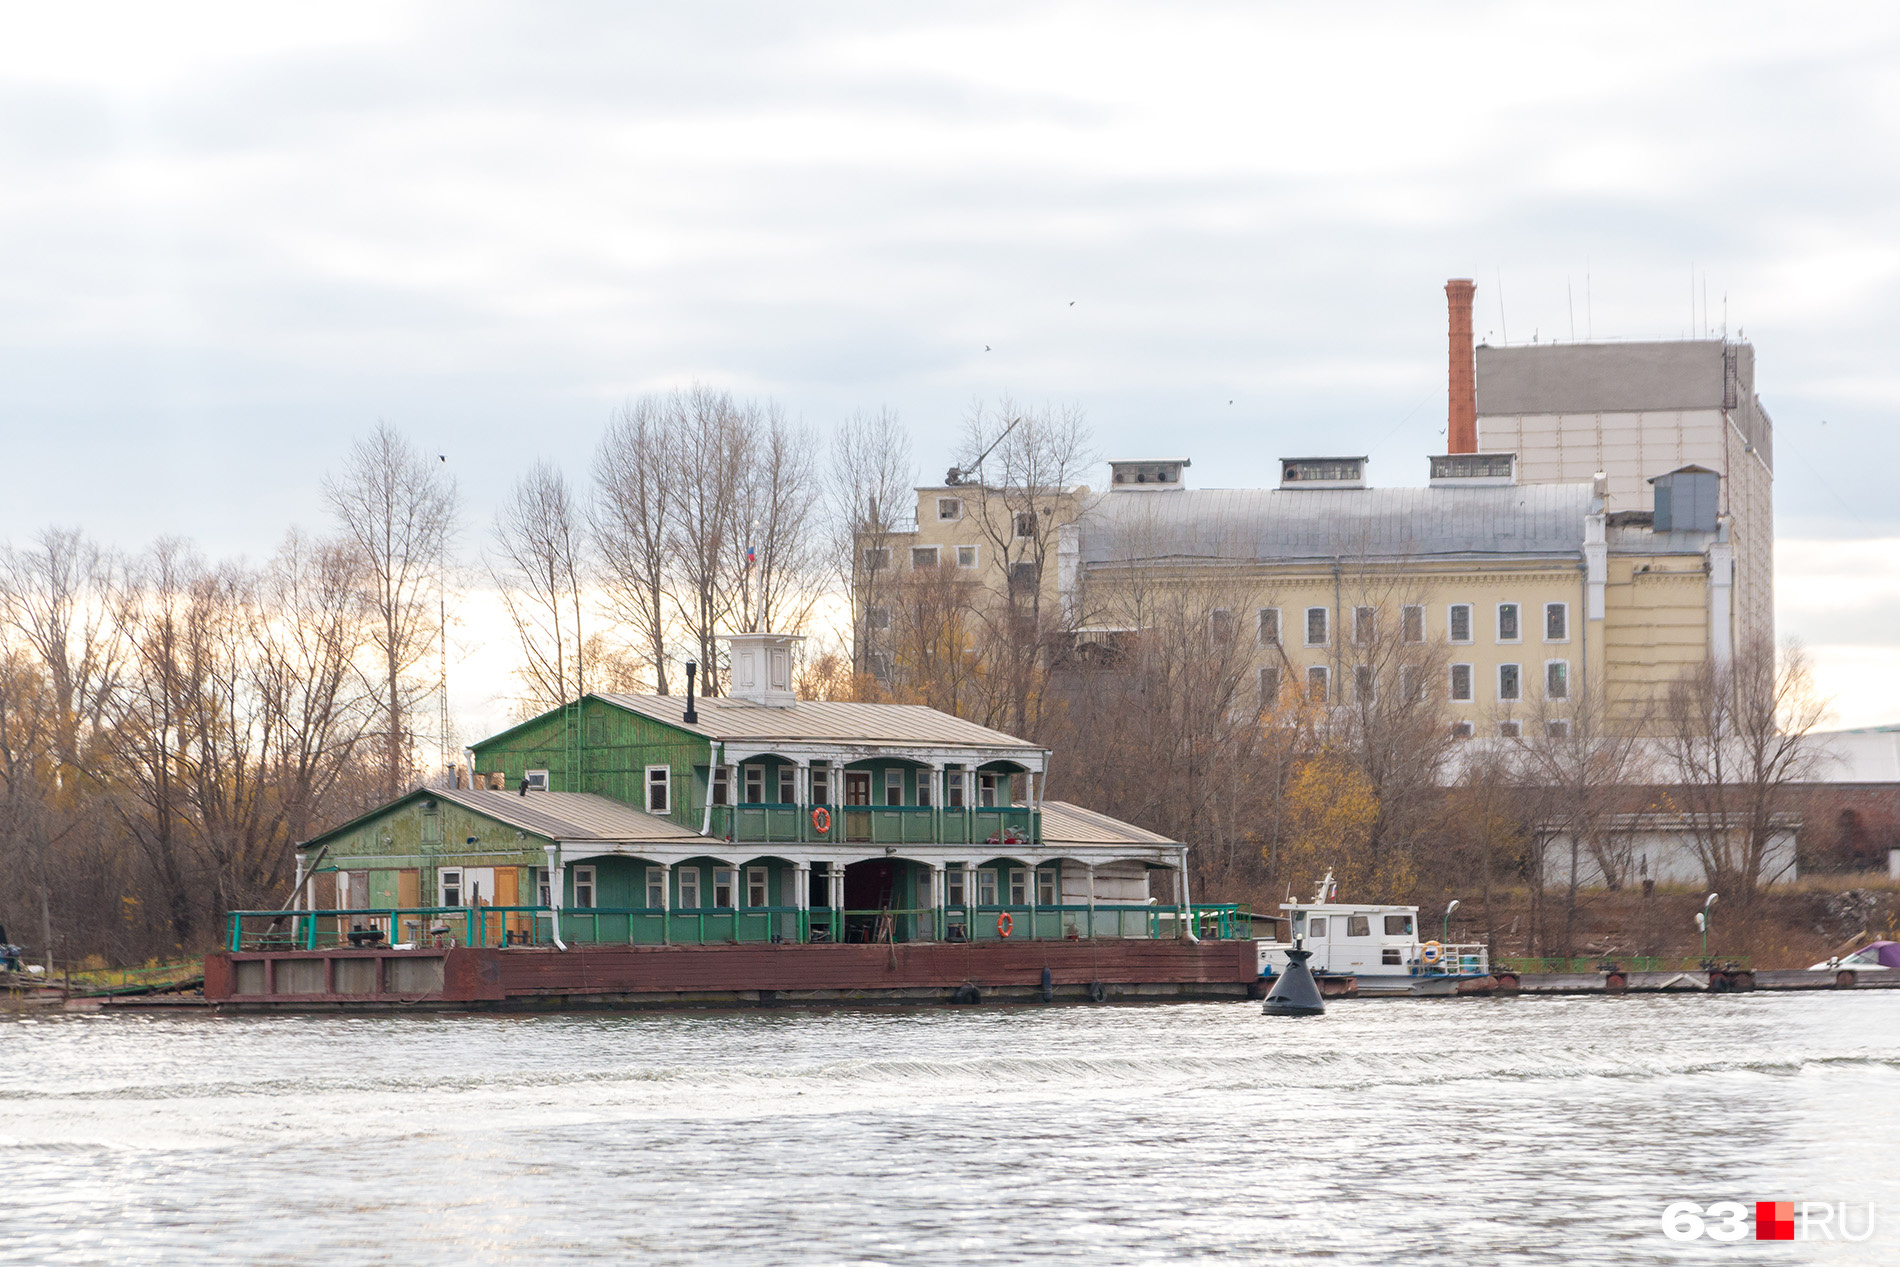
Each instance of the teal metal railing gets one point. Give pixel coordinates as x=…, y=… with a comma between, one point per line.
x=878, y=824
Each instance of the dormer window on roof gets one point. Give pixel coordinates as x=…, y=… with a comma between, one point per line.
x=1451, y=470
x=1323, y=472
x=1160, y=474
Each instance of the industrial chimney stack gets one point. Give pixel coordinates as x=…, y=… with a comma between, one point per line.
x=1461, y=432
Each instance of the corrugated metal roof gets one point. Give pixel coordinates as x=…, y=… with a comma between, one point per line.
x=570, y=816
x=1066, y=824
x=815, y=720
x=1289, y=524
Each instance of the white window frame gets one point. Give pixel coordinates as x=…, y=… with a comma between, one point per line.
x=1019, y=886
x=1463, y=730
x=446, y=879
x=726, y=878
x=820, y=784
x=663, y=785
x=752, y=783
x=1365, y=684
x=974, y=555
x=1025, y=524
x=1557, y=728
x=1407, y=614
x=1517, y=694
x=537, y=780
x=952, y=504
x=787, y=785
x=656, y=888
x=543, y=893
x=955, y=890
x=986, y=886
x=986, y=789
x=925, y=778
x=690, y=888
x=924, y=557
x=1411, y=689
x=1557, y=664
x=893, y=783
x=877, y=618
x=1451, y=623
x=1565, y=609
x=953, y=789
x=1325, y=625
x=1369, y=618
x=586, y=888
x=877, y=559
x=758, y=880
x=1518, y=617
x=1263, y=617
x=1222, y=616
x=1510, y=728
x=1451, y=683
x=1049, y=886
x=1268, y=678
x=1323, y=675
x=722, y=785
x=923, y=890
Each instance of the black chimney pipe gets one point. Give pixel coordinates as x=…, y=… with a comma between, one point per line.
x=692, y=714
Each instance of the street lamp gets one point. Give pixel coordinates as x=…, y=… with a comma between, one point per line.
x=1445, y=935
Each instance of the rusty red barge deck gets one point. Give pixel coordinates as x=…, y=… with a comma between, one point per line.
x=537, y=978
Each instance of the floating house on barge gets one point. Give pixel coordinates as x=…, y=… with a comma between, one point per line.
x=642, y=848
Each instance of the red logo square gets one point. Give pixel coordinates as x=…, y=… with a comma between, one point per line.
x=1774, y=1220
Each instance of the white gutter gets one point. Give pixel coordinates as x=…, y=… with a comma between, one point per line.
x=712, y=772
x=1187, y=901
x=556, y=882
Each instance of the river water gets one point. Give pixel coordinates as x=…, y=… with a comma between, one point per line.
x=1454, y=1131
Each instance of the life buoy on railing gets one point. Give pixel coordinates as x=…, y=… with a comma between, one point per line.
x=821, y=819
x=1004, y=924
x=1431, y=952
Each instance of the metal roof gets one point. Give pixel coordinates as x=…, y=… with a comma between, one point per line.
x=1288, y=524
x=1066, y=824
x=569, y=815
x=819, y=721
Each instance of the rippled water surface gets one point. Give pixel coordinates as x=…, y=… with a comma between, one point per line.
x=1459, y=1132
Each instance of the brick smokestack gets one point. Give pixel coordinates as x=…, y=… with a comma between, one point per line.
x=1461, y=431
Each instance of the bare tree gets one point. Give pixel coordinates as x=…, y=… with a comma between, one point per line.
x=708, y=563
x=636, y=476
x=869, y=490
x=66, y=600
x=779, y=510
x=540, y=567
x=399, y=511
x=1735, y=738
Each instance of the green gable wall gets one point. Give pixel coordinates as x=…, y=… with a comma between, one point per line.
x=594, y=746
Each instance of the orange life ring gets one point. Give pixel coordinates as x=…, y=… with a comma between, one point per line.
x=1004, y=924
x=821, y=819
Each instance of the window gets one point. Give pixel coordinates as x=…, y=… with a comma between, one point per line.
x=449, y=887
x=1358, y=926
x=1461, y=730
x=1045, y=888
x=656, y=888
x=1559, y=729
x=953, y=888
x=1411, y=684
x=879, y=663
x=1019, y=886
x=757, y=888
x=923, y=891
x=1398, y=926
x=821, y=785
x=584, y=887
x=1316, y=684
x=949, y=508
x=722, y=888
x=1557, y=680
x=788, y=785
x=431, y=823
x=1316, y=626
x=1458, y=622
x=1022, y=577
x=1461, y=683
x=923, y=556
x=689, y=888
x=924, y=780
x=537, y=780
x=953, y=782
x=1316, y=927
x=986, y=887
x=966, y=556
x=1556, y=622
x=1389, y=956
x=1025, y=524
x=1270, y=687
x=1507, y=623
x=1222, y=625
x=1269, y=626
x=1510, y=729
x=1510, y=682
x=1412, y=623
x=659, y=789
x=893, y=787
x=754, y=784
x=544, y=893
x=1362, y=683
x=877, y=559
x=722, y=785
x=1365, y=626
x=877, y=617
x=986, y=791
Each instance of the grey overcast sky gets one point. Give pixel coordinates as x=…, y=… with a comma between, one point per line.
x=232, y=237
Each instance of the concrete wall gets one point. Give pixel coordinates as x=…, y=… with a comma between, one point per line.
x=1667, y=857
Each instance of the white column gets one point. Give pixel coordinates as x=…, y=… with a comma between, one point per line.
x=801, y=886
x=556, y=883
x=936, y=901
x=666, y=903
x=1035, y=879
x=1091, y=871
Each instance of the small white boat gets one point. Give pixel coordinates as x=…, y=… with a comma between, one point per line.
x=1379, y=947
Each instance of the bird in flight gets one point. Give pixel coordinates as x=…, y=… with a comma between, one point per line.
x=986, y=347
x=1072, y=303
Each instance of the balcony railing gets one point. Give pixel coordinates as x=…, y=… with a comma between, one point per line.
x=878, y=824
x=447, y=926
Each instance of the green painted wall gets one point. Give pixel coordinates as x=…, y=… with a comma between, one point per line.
x=599, y=747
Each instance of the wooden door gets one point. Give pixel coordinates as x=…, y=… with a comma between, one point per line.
x=857, y=791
